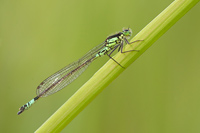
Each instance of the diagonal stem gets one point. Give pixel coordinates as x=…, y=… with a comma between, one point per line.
x=102, y=78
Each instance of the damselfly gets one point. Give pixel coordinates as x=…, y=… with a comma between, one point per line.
x=65, y=76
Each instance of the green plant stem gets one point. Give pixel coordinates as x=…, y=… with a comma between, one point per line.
x=111, y=70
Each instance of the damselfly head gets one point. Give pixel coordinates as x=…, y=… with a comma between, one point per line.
x=127, y=32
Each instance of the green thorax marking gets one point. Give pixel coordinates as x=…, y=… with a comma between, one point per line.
x=110, y=43
x=113, y=41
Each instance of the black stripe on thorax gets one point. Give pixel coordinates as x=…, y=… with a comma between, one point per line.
x=115, y=35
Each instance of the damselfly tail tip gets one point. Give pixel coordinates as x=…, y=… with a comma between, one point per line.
x=20, y=110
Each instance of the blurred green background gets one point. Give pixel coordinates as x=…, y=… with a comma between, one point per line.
x=158, y=93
